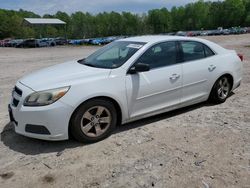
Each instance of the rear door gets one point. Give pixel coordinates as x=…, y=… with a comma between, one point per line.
x=198, y=68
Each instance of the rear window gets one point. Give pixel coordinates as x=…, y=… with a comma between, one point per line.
x=208, y=51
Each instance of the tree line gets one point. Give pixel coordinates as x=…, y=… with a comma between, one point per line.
x=192, y=16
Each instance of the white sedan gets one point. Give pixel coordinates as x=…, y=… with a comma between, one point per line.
x=124, y=81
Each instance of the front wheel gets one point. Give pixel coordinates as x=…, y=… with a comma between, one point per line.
x=221, y=90
x=93, y=121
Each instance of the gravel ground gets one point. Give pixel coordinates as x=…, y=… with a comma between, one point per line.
x=199, y=146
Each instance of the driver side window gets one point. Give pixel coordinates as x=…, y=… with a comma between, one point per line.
x=160, y=55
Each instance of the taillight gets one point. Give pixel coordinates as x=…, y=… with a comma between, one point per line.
x=240, y=56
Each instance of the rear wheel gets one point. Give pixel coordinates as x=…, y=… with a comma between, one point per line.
x=93, y=121
x=221, y=90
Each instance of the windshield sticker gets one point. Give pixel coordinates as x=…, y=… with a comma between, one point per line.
x=137, y=46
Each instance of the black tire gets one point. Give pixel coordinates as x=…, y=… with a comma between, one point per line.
x=215, y=95
x=76, y=120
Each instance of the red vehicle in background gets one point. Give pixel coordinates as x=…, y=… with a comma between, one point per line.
x=4, y=42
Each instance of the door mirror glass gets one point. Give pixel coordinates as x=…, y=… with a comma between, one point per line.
x=139, y=67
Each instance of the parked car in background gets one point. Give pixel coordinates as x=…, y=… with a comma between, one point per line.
x=48, y=41
x=181, y=33
x=60, y=41
x=28, y=43
x=189, y=34
x=124, y=81
x=234, y=30
x=96, y=41
x=204, y=33
x=226, y=32
x=32, y=43
x=237, y=30
x=4, y=42
x=217, y=32
x=243, y=30
x=197, y=33
x=43, y=43
x=75, y=41
x=107, y=40
x=85, y=41
x=14, y=43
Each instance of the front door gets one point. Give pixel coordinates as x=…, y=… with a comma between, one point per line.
x=160, y=87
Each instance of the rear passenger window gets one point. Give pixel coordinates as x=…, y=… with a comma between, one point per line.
x=162, y=54
x=192, y=50
x=208, y=51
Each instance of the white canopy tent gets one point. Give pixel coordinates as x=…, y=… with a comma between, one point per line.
x=43, y=22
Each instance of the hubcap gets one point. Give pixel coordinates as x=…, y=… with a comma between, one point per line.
x=95, y=121
x=224, y=88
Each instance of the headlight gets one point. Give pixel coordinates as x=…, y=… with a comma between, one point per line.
x=43, y=98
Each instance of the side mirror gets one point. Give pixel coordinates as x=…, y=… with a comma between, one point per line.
x=139, y=67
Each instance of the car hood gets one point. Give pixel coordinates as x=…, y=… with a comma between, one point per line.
x=65, y=74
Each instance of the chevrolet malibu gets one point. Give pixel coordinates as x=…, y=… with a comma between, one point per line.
x=124, y=81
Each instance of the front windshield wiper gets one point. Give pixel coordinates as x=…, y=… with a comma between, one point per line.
x=89, y=64
x=82, y=61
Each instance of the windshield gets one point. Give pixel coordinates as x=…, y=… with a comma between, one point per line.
x=112, y=55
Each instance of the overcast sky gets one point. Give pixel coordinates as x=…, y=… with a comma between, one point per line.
x=93, y=6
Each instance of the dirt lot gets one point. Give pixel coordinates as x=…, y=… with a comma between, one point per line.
x=200, y=146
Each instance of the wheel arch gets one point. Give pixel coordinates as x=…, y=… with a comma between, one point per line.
x=231, y=79
x=229, y=75
x=114, y=102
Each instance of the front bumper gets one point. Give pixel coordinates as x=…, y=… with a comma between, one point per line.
x=45, y=122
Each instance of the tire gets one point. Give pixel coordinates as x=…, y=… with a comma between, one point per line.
x=221, y=90
x=93, y=121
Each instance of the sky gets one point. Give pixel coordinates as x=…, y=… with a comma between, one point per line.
x=93, y=6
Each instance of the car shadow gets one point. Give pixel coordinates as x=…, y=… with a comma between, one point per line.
x=29, y=146
x=166, y=115
x=159, y=117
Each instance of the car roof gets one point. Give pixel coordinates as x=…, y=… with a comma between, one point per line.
x=152, y=39
x=159, y=38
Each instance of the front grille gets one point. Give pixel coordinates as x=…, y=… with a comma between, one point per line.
x=17, y=94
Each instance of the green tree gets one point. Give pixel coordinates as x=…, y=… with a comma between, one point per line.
x=159, y=20
x=233, y=13
x=193, y=16
x=177, y=18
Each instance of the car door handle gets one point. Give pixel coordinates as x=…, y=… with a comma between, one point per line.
x=211, y=68
x=174, y=77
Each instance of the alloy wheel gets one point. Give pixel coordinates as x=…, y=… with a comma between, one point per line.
x=95, y=121
x=223, y=88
